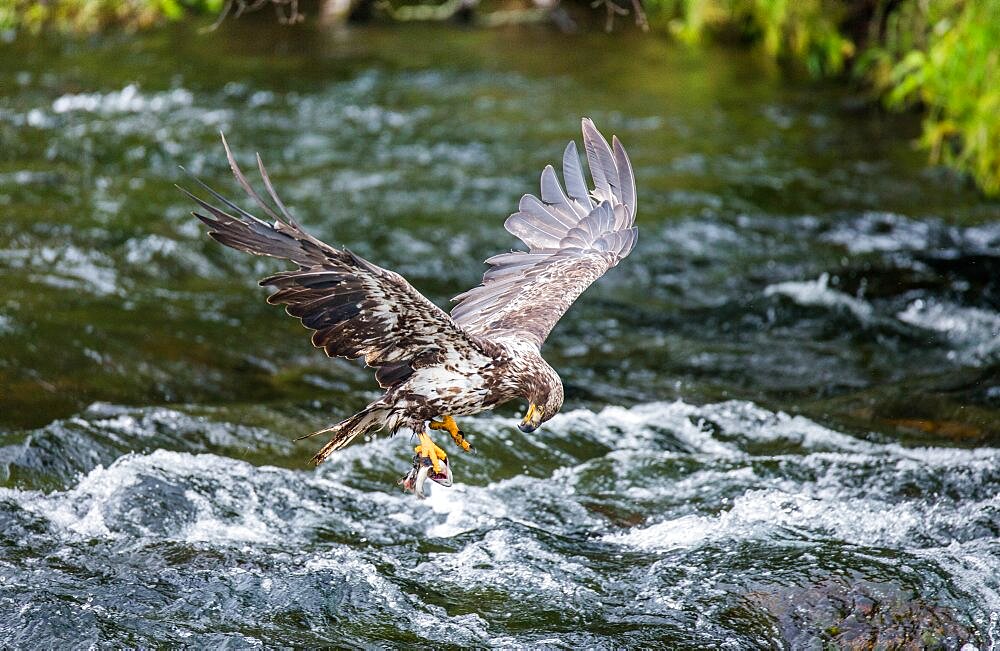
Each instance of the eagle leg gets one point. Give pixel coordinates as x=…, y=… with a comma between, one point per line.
x=448, y=423
x=429, y=462
x=429, y=450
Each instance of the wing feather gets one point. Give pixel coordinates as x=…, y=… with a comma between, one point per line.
x=607, y=185
x=576, y=184
x=625, y=175
x=535, y=231
x=355, y=308
x=556, y=200
x=571, y=242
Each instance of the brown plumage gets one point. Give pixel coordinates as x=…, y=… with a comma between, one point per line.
x=486, y=352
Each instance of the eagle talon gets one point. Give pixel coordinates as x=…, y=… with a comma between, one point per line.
x=458, y=436
x=459, y=439
x=430, y=451
x=422, y=470
x=429, y=462
x=444, y=477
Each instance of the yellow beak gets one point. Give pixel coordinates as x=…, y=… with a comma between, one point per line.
x=532, y=419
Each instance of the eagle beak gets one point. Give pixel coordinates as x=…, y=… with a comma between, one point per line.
x=532, y=419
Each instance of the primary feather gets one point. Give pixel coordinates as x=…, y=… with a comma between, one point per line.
x=572, y=240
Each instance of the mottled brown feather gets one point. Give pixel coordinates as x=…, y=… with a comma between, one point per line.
x=355, y=308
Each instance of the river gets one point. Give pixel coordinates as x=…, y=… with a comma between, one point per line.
x=782, y=424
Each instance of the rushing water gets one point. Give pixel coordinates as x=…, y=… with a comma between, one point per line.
x=783, y=410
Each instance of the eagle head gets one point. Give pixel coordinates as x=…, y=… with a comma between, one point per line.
x=545, y=399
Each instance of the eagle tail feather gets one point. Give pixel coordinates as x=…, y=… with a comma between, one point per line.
x=346, y=430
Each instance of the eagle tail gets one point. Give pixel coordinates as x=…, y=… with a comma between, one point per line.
x=346, y=430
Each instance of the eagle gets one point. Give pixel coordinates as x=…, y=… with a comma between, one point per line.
x=435, y=366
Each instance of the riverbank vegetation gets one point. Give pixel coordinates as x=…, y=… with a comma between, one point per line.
x=85, y=16
x=940, y=56
x=937, y=56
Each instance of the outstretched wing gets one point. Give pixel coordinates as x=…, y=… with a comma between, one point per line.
x=355, y=307
x=573, y=237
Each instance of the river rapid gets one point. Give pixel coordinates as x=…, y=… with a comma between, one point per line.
x=782, y=424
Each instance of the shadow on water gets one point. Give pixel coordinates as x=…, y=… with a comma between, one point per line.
x=773, y=406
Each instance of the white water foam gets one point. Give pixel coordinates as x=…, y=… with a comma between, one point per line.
x=127, y=100
x=975, y=333
x=824, y=487
x=818, y=293
x=213, y=499
x=69, y=267
x=882, y=231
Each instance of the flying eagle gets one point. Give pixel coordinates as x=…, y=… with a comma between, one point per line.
x=432, y=365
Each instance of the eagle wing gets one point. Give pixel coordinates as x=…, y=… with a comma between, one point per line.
x=573, y=238
x=354, y=307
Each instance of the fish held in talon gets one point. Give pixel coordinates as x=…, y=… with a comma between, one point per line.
x=423, y=470
x=434, y=365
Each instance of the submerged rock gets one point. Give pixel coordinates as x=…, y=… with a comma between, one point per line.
x=860, y=615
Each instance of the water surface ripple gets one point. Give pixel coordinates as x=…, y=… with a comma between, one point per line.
x=783, y=410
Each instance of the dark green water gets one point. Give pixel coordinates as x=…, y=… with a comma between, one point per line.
x=782, y=424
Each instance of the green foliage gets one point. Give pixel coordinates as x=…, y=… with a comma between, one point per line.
x=800, y=30
x=957, y=79
x=92, y=15
x=941, y=55
x=804, y=31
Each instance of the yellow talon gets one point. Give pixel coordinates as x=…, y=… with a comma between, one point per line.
x=448, y=423
x=428, y=449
